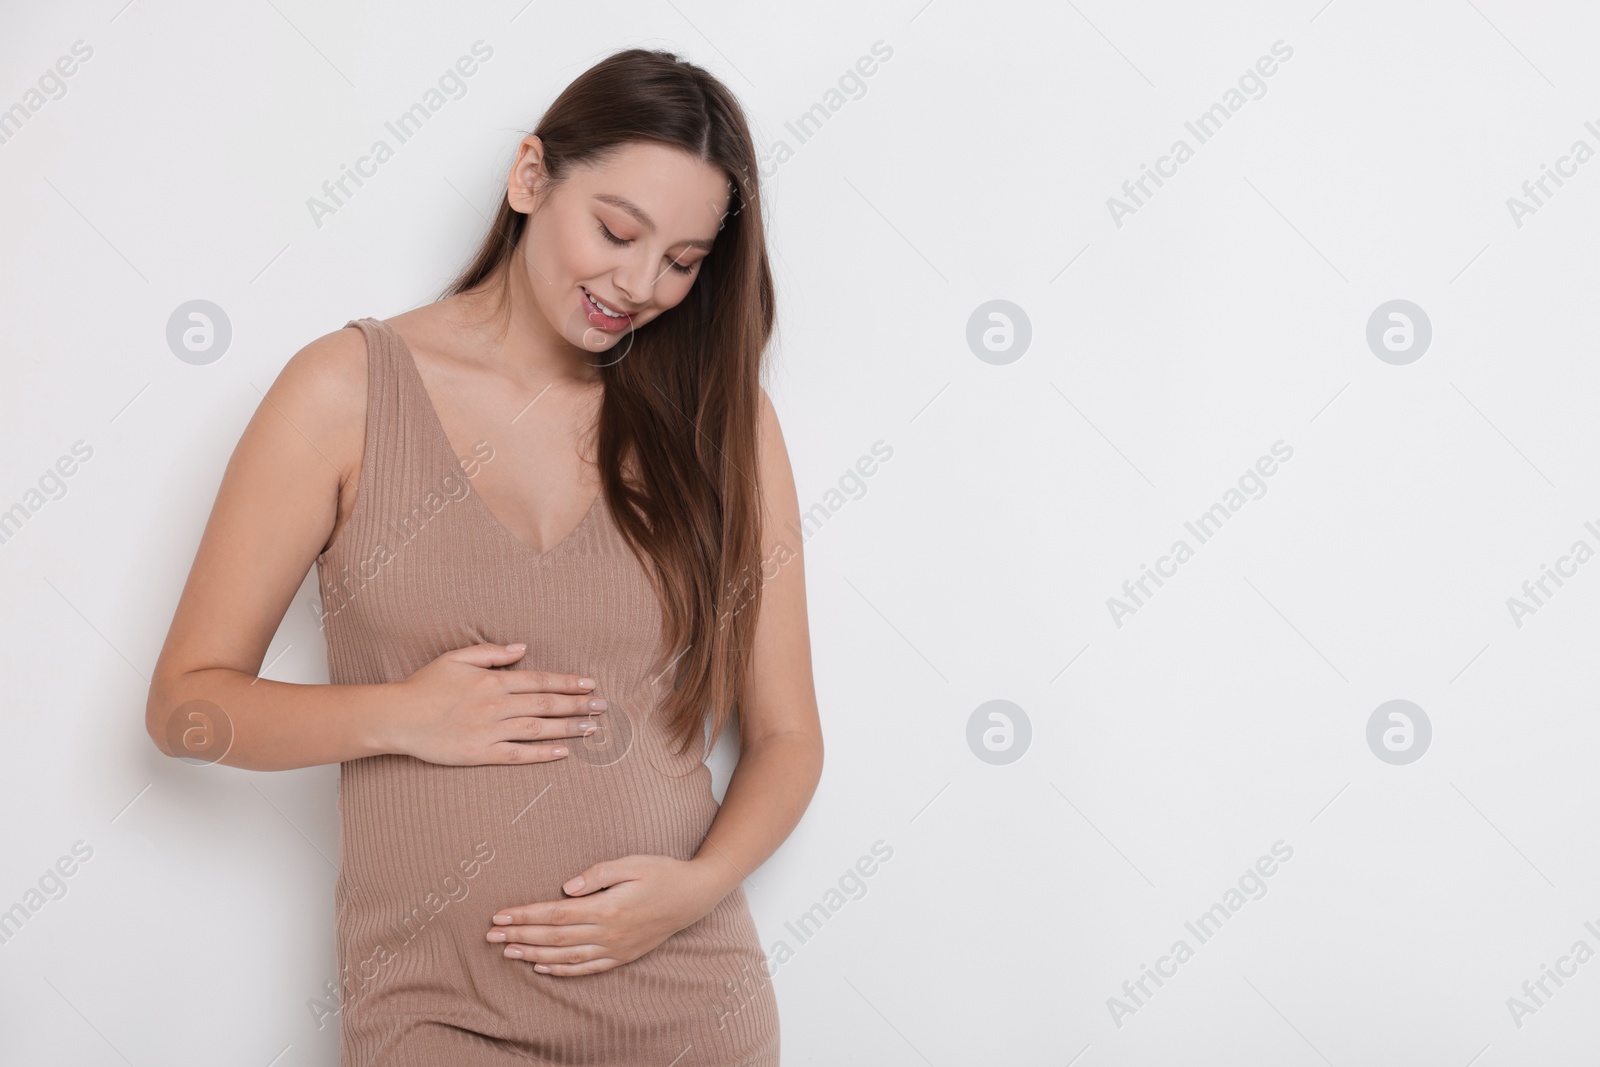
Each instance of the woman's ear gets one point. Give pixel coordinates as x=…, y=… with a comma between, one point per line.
x=527, y=173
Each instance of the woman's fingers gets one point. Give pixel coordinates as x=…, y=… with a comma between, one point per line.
x=486, y=655
x=536, y=945
x=554, y=954
x=563, y=960
x=573, y=726
x=525, y=711
x=555, y=948
x=539, y=738
x=527, y=752
x=536, y=681
x=592, y=967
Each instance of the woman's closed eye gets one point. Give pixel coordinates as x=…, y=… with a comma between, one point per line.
x=614, y=239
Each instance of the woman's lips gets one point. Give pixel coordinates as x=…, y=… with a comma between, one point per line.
x=600, y=318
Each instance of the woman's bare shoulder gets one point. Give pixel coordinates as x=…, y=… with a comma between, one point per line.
x=322, y=390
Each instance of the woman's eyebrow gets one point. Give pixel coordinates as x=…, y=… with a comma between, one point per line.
x=644, y=219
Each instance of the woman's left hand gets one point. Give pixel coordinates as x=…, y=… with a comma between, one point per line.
x=618, y=910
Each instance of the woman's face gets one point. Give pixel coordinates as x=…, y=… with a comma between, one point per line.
x=629, y=232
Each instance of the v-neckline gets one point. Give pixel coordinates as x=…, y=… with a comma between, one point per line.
x=444, y=442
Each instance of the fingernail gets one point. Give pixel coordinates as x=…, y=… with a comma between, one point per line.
x=558, y=751
x=598, y=704
x=514, y=953
x=518, y=647
x=502, y=920
x=586, y=683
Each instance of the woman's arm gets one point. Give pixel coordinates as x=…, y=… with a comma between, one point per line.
x=274, y=512
x=780, y=753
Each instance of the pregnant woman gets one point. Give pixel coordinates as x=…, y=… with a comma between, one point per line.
x=554, y=526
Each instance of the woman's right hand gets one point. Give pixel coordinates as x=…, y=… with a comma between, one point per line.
x=459, y=713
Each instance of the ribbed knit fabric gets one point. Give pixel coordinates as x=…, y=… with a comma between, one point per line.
x=429, y=852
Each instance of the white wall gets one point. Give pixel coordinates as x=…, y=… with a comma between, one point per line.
x=1167, y=750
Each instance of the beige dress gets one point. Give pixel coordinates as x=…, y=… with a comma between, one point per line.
x=429, y=852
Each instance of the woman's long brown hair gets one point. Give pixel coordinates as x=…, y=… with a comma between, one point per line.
x=684, y=402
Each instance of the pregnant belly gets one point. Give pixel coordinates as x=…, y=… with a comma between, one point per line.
x=429, y=854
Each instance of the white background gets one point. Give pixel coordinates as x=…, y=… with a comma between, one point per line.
x=1168, y=354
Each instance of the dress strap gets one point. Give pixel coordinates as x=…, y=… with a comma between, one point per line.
x=388, y=468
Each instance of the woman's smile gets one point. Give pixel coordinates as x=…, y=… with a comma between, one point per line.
x=603, y=315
